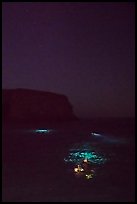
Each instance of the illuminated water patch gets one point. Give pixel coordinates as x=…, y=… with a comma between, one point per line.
x=96, y=134
x=84, y=152
x=41, y=131
x=108, y=139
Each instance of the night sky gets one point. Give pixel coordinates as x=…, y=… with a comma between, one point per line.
x=82, y=50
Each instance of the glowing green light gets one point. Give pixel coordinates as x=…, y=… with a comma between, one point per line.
x=79, y=154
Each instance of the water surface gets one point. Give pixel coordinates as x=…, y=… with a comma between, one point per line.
x=35, y=169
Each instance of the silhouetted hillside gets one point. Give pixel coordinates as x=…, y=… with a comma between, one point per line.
x=35, y=106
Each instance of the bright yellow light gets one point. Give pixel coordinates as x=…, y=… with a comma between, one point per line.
x=80, y=168
x=85, y=160
x=76, y=169
x=88, y=176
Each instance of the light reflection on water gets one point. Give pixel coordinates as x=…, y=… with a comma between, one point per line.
x=80, y=145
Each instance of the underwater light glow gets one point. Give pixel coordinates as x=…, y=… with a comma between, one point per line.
x=45, y=131
x=77, y=156
x=96, y=134
x=108, y=139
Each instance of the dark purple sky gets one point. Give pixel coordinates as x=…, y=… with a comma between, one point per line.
x=82, y=50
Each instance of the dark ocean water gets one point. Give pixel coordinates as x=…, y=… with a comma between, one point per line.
x=35, y=170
